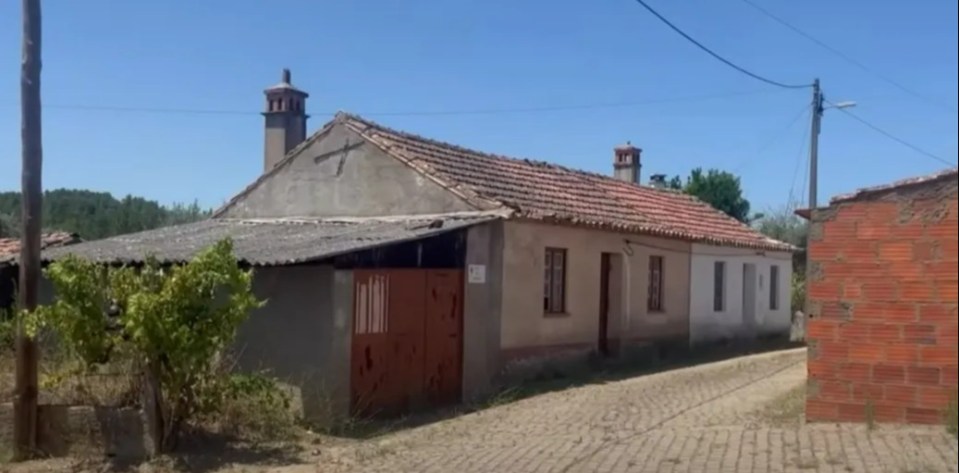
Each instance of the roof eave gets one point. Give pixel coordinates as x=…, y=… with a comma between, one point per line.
x=659, y=232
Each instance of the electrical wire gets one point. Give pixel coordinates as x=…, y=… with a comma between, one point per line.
x=775, y=138
x=846, y=57
x=716, y=55
x=804, y=200
x=493, y=111
x=791, y=199
x=891, y=136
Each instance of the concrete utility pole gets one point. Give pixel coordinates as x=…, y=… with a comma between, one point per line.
x=25, y=403
x=814, y=144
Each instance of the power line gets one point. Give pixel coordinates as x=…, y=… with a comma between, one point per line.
x=804, y=201
x=791, y=199
x=716, y=55
x=891, y=136
x=493, y=111
x=845, y=56
x=772, y=140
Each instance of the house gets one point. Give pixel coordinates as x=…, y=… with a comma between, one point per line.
x=401, y=270
x=882, y=296
x=10, y=251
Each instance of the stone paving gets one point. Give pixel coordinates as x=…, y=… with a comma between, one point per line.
x=703, y=419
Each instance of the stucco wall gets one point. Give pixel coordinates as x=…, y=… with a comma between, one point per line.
x=481, y=309
x=341, y=174
x=708, y=325
x=525, y=328
x=302, y=335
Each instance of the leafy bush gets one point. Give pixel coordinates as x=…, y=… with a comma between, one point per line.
x=171, y=322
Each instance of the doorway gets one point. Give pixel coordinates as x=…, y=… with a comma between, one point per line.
x=604, y=271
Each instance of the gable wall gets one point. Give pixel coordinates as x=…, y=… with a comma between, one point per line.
x=342, y=175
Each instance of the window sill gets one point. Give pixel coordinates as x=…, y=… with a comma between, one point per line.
x=555, y=315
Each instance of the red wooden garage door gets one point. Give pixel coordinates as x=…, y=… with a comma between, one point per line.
x=407, y=339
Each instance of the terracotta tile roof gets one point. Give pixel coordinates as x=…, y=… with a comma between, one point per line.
x=10, y=247
x=549, y=192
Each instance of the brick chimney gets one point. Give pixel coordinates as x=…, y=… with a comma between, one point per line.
x=626, y=164
x=285, y=120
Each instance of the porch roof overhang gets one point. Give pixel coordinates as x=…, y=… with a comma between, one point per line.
x=269, y=242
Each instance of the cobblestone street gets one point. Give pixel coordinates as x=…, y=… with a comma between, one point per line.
x=707, y=418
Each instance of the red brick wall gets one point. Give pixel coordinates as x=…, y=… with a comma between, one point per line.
x=882, y=290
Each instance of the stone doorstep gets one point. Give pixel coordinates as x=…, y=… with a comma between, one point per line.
x=116, y=432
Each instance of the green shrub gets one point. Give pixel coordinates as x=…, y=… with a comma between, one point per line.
x=171, y=322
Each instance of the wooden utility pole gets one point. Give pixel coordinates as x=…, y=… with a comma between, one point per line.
x=25, y=404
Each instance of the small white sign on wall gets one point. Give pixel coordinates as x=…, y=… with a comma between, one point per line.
x=476, y=274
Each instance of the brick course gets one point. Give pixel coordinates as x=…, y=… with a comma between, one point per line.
x=883, y=299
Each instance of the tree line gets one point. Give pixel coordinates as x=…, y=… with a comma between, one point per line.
x=94, y=215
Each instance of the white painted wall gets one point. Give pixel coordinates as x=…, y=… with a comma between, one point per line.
x=707, y=325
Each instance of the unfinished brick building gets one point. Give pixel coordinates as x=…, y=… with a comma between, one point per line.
x=882, y=291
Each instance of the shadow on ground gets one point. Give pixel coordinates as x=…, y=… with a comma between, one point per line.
x=593, y=371
x=201, y=453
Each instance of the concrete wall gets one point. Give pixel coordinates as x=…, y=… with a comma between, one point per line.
x=527, y=332
x=708, y=325
x=883, y=304
x=341, y=174
x=482, y=306
x=302, y=335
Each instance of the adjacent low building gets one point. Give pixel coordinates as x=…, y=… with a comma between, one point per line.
x=404, y=271
x=882, y=294
x=10, y=251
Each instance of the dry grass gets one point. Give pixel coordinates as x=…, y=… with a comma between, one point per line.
x=61, y=382
x=7, y=370
x=787, y=409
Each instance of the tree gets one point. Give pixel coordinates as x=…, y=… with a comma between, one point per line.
x=8, y=226
x=785, y=226
x=720, y=189
x=95, y=215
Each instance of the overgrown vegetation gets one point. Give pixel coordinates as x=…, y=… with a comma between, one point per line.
x=171, y=326
x=798, y=292
x=8, y=332
x=253, y=406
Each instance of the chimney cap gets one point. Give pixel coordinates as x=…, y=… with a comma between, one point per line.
x=286, y=84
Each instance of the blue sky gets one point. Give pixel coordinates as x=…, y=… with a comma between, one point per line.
x=377, y=56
